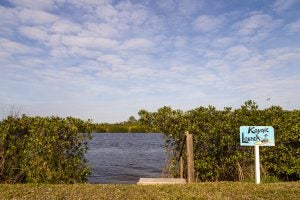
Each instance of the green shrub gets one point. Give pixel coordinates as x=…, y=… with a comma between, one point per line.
x=217, y=151
x=48, y=150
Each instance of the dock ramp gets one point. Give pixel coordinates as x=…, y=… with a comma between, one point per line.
x=155, y=181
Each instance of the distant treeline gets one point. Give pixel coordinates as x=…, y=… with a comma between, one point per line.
x=130, y=126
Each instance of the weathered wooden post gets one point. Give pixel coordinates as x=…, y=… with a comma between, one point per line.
x=190, y=157
x=181, y=167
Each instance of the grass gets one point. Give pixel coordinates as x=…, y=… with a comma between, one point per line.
x=215, y=190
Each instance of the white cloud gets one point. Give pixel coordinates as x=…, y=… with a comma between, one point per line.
x=34, y=62
x=188, y=7
x=83, y=3
x=294, y=27
x=139, y=16
x=65, y=27
x=254, y=24
x=83, y=52
x=264, y=66
x=140, y=44
x=253, y=63
x=8, y=15
x=222, y=41
x=106, y=12
x=256, y=27
x=36, y=4
x=100, y=30
x=207, y=76
x=221, y=67
x=4, y=55
x=206, y=23
x=89, y=42
x=238, y=52
x=282, y=91
x=8, y=21
x=61, y=52
x=180, y=41
x=210, y=54
x=36, y=17
x=282, y=5
x=111, y=59
x=141, y=72
x=96, y=10
x=10, y=47
x=125, y=6
x=178, y=69
x=70, y=76
x=166, y=5
x=283, y=57
x=54, y=40
x=33, y=33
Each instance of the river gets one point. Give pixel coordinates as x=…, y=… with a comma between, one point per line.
x=123, y=158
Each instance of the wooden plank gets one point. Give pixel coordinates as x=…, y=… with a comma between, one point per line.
x=153, y=181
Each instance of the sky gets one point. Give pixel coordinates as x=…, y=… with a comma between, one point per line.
x=107, y=59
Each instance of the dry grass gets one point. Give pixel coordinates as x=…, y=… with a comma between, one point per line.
x=217, y=190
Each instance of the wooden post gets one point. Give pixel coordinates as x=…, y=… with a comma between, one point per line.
x=190, y=157
x=181, y=167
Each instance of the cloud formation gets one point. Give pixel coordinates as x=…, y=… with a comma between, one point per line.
x=105, y=59
x=283, y=5
x=207, y=23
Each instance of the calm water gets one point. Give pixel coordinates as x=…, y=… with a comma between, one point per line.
x=125, y=157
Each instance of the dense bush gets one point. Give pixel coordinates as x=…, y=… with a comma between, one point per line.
x=48, y=150
x=217, y=150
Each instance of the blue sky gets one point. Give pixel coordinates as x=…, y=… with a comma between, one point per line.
x=107, y=59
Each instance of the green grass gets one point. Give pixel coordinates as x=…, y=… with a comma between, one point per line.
x=215, y=190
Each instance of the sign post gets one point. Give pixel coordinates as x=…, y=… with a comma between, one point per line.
x=257, y=136
x=257, y=164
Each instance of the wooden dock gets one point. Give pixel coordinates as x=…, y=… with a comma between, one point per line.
x=156, y=181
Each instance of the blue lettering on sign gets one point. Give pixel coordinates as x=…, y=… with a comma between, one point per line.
x=253, y=129
x=257, y=135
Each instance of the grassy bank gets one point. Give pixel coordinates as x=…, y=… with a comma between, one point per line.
x=220, y=190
